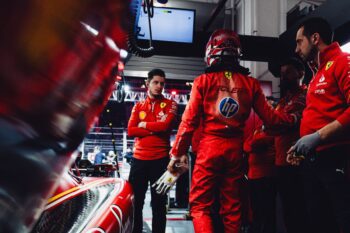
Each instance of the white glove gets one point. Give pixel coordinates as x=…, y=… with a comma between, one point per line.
x=165, y=182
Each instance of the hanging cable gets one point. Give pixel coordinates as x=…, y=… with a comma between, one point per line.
x=134, y=30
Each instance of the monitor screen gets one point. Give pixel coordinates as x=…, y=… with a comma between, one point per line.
x=168, y=24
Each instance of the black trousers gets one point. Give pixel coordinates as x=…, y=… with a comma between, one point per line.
x=143, y=173
x=263, y=198
x=327, y=190
x=289, y=185
x=182, y=191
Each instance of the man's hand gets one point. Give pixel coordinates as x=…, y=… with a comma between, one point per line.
x=306, y=144
x=165, y=182
x=142, y=124
x=178, y=165
x=293, y=159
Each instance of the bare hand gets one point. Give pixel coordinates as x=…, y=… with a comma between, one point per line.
x=178, y=165
x=142, y=124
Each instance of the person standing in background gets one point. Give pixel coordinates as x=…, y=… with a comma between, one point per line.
x=151, y=122
x=99, y=156
x=259, y=147
x=324, y=145
x=289, y=184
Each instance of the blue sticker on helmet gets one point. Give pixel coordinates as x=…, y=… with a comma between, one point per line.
x=228, y=107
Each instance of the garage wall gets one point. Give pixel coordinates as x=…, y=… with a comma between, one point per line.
x=181, y=68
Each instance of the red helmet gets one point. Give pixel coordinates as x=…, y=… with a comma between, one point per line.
x=223, y=42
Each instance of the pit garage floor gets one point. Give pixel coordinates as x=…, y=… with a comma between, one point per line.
x=176, y=219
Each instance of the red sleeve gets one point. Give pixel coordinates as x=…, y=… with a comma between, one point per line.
x=265, y=112
x=133, y=130
x=190, y=120
x=247, y=145
x=261, y=140
x=166, y=125
x=297, y=108
x=342, y=74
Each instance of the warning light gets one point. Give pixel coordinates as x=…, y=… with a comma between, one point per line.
x=173, y=92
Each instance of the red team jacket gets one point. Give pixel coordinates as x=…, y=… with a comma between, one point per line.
x=223, y=100
x=154, y=141
x=291, y=103
x=328, y=95
x=261, y=154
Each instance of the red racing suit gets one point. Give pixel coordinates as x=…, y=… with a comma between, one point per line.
x=328, y=95
x=152, y=142
x=222, y=101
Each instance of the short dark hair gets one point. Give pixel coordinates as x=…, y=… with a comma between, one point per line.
x=318, y=25
x=155, y=72
x=295, y=62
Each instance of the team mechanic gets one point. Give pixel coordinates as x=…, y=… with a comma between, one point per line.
x=222, y=98
x=324, y=130
x=151, y=122
x=289, y=185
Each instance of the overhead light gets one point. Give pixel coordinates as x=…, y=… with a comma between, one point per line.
x=112, y=44
x=346, y=47
x=123, y=53
x=90, y=29
x=126, y=88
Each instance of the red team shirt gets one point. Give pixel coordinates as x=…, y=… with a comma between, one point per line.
x=328, y=95
x=291, y=103
x=261, y=152
x=153, y=142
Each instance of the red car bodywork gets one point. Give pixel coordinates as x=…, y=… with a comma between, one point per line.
x=109, y=208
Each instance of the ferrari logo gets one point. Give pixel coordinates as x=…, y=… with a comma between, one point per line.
x=142, y=115
x=170, y=180
x=228, y=74
x=162, y=105
x=329, y=64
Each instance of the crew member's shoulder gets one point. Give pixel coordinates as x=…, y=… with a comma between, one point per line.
x=202, y=76
x=168, y=101
x=339, y=64
x=343, y=58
